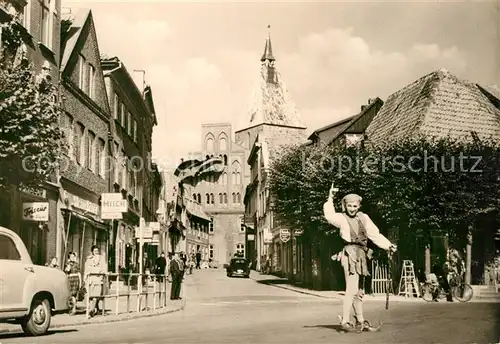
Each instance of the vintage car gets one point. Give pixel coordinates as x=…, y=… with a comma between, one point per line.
x=238, y=267
x=29, y=294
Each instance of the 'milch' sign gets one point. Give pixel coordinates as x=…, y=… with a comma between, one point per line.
x=36, y=211
x=113, y=205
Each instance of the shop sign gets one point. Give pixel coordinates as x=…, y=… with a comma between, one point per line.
x=154, y=226
x=251, y=237
x=298, y=232
x=268, y=236
x=147, y=232
x=83, y=204
x=285, y=234
x=112, y=205
x=41, y=193
x=36, y=211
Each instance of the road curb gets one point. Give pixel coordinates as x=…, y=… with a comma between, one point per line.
x=108, y=319
x=296, y=291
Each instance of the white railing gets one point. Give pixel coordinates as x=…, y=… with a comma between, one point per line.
x=140, y=288
x=380, y=276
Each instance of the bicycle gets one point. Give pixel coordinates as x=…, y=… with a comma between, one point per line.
x=460, y=290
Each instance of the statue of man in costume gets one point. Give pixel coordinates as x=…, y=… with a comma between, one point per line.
x=356, y=228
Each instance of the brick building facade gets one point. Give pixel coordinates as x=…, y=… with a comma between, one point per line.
x=221, y=194
x=133, y=174
x=40, y=21
x=84, y=174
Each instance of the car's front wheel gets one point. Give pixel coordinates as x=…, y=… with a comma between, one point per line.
x=38, y=321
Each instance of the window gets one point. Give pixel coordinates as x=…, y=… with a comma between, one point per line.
x=210, y=144
x=221, y=199
x=242, y=224
x=123, y=170
x=129, y=124
x=82, y=65
x=211, y=252
x=46, y=30
x=123, y=115
x=240, y=249
x=116, y=107
x=8, y=249
x=222, y=144
x=225, y=198
x=91, y=160
x=101, y=156
x=234, y=197
x=117, y=163
x=27, y=17
x=212, y=198
x=207, y=196
x=225, y=160
x=353, y=139
x=194, y=196
x=134, y=133
x=78, y=143
x=70, y=131
x=238, y=198
x=91, y=71
x=211, y=225
x=199, y=198
x=224, y=178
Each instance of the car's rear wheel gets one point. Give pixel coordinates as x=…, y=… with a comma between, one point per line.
x=38, y=321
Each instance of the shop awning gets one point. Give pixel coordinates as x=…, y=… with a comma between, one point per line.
x=88, y=219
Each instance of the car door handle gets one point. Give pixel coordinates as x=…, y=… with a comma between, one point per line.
x=29, y=269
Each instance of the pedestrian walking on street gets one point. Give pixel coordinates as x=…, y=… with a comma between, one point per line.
x=94, y=265
x=355, y=229
x=177, y=272
x=72, y=269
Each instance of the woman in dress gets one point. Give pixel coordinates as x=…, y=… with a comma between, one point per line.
x=72, y=269
x=94, y=265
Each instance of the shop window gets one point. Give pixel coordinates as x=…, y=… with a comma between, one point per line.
x=211, y=256
x=212, y=198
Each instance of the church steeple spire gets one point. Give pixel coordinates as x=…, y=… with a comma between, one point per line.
x=268, y=49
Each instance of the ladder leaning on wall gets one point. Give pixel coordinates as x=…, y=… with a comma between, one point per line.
x=408, y=285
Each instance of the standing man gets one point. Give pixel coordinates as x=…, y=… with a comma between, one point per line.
x=176, y=271
x=355, y=229
x=160, y=265
x=198, y=260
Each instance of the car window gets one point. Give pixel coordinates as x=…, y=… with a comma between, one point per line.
x=8, y=250
x=239, y=261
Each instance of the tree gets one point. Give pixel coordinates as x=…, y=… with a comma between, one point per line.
x=412, y=188
x=31, y=143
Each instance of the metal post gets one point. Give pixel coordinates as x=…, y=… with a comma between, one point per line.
x=141, y=253
x=117, y=294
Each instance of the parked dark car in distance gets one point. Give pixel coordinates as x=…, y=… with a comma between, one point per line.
x=238, y=267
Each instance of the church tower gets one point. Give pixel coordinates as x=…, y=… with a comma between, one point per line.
x=271, y=104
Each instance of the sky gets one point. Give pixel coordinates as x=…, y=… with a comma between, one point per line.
x=202, y=59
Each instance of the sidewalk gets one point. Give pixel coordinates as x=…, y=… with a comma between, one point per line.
x=66, y=320
x=284, y=283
